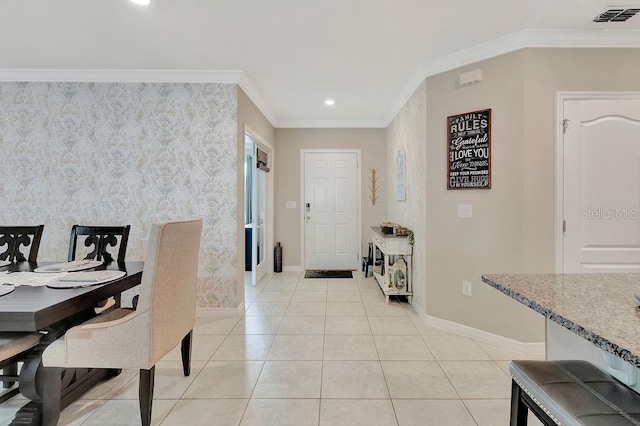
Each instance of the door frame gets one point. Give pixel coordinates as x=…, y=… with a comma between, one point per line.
x=359, y=202
x=269, y=223
x=561, y=97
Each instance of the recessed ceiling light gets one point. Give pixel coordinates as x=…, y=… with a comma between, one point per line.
x=142, y=2
x=329, y=102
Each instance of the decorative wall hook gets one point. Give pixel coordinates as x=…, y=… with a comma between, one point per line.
x=373, y=186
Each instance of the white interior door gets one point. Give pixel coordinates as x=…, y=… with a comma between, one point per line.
x=601, y=192
x=331, y=202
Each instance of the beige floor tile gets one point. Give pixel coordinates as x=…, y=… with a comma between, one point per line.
x=170, y=382
x=127, y=413
x=477, y=379
x=427, y=330
x=357, y=412
x=349, y=348
x=342, y=285
x=491, y=412
x=306, y=309
x=393, y=309
x=393, y=326
x=344, y=296
x=372, y=295
x=347, y=325
x=206, y=412
x=282, y=412
x=258, y=325
x=274, y=296
x=417, y=380
x=455, y=348
x=289, y=379
x=245, y=347
x=215, y=325
x=281, y=285
x=312, y=284
x=309, y=296
x=351, y=309
x=504, y=365
x=353, y=380
x=296, y=348
x=302, y=325
x=433, y=412
x=267, y=309
x=79, y=411
x=225, y=379
x=402, y=348
x=203, y=347
x=108, y=388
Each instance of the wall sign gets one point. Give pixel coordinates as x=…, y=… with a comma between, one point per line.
x=469, y=150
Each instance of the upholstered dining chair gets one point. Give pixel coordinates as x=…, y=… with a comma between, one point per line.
x=126, y=338
x=14, y=347
x=100, y=237
x=15, y=236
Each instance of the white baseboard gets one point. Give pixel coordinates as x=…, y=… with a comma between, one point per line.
x=218, y=312
x=536, y=348
x=292, y=269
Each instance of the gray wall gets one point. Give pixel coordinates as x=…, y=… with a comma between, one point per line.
x=289, y=142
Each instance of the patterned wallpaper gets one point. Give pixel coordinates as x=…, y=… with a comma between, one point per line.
x=408, y=130
x=124, y=153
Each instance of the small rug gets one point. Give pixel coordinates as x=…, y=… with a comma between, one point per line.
x=328, y=274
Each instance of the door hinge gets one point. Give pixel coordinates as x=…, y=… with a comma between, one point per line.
x=565, y=125
x=564, y=226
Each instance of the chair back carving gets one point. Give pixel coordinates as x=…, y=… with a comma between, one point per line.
x=168, y=287
x=14, y=237
x=99, y=239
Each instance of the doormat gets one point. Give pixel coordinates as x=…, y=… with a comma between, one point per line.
x=328, y=274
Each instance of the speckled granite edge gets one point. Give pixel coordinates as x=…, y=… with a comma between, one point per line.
x=568, y=324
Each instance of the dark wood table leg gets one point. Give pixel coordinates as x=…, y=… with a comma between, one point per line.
x=51, y=395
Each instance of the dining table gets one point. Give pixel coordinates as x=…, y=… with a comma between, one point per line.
x=52, y=311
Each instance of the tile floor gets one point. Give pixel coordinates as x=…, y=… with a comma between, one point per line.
x=313, y=352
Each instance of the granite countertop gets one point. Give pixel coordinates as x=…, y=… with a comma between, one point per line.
x=599, y=307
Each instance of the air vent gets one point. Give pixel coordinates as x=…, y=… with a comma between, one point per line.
x=616, y=14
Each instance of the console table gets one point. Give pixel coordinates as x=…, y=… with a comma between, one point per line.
x=392, y=246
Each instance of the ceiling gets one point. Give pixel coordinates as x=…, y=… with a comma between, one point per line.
x=368, y=55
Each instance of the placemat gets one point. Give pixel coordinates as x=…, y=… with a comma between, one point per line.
x=85, y=279
x=74, y=265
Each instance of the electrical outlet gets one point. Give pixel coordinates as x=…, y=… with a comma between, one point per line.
x=466, y=288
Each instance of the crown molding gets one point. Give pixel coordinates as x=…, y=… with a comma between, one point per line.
x=592, y=38
x=312, y=124
x=265, y=108
x=121, y=75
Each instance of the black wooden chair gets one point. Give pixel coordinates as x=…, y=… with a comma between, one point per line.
x=101, y=238
x=14, y=347
x=15, y=236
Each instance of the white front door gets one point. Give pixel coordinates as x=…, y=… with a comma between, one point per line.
x=330, y=207
x=601, y=192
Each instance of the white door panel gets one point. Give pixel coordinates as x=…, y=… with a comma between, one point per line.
x=602, y=186
x=331, y=220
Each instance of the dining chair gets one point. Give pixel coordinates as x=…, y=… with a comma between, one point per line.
x=14, y=347
x=15, y=236
x=128, y=338
x=101, y=238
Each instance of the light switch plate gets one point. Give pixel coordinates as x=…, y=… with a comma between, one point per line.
x=291, y=204
x=465, y=211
